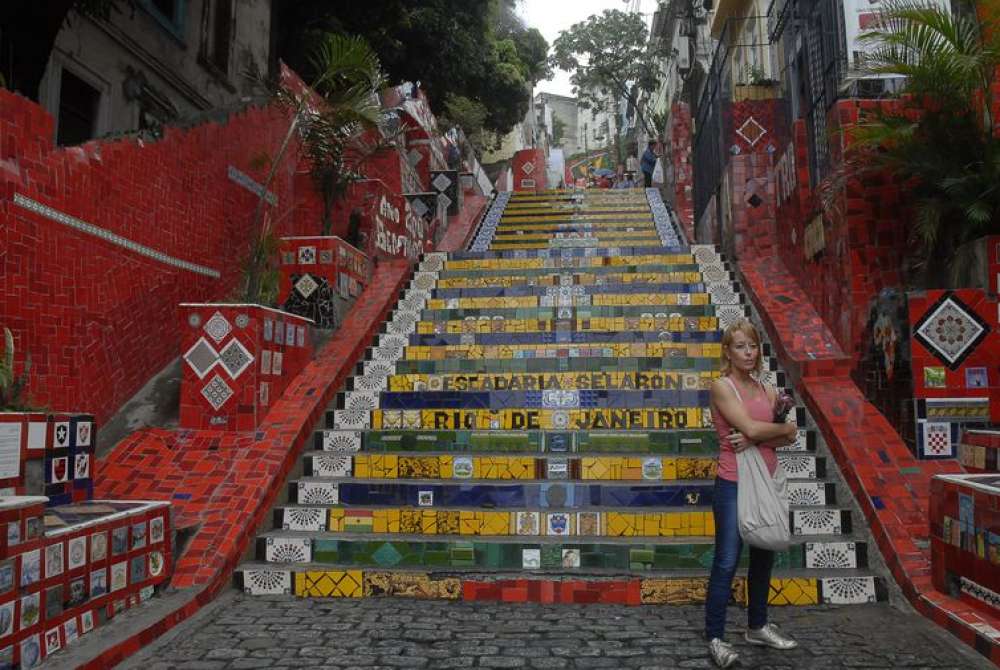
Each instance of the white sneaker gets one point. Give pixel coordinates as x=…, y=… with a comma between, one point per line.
x=722, y=653
x=769, y=636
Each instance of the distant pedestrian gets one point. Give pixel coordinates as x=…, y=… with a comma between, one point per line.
x=744, y=410
x=648, y=163
x=632, y=167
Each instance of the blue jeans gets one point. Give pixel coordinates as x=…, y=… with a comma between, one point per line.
x=728, y=545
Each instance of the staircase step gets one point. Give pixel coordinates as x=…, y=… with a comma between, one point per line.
x=678, y=442
x=489, y=467
x=545, y=553
x=490, y=495
x=794, y=588
x=531, y=424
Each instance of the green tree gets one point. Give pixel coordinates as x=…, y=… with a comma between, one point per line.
x=476, y=50
x=609, y=57
x=558, y=130
x=939, y=139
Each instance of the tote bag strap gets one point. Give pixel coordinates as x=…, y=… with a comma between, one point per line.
x=735, y=390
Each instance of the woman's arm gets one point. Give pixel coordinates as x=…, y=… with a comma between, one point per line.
x=735, y=414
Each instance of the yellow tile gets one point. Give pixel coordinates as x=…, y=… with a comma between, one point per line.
x=361, y=469
x=469, y=522
x=428, y=522
x=669, y=468
x=380, y=523
x=444, y=467
x=392, y=520
x=804, y=591
x=329, y=584
x=336, y=524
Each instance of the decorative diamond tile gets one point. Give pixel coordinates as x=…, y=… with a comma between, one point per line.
x=306, y=285
x=287, y=550
x=527, y=168
x=419, y=207
x=201, y=357
x=235, y=358
x=950, y=330
x=751, y=131
x=217, y=327
x=414, y=157
x=441, y=182
x=267, y=582
x=217, y=392
x=444, y=200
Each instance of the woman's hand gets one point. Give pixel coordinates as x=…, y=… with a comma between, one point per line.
x=791, y=433
x=738, y=441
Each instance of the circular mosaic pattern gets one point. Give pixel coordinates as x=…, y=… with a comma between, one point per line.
x=317, y=495
x=288, y=553
x=265, y=580
x=797, y=466
x=194, y=319
x=242, y=320
x=830, y=557
x=804, y=495
x=560, y=419
x=848, y=589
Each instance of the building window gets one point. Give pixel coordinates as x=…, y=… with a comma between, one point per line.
x=218, y=28
x=169, y=14
x=222, y=33
x=79, y=105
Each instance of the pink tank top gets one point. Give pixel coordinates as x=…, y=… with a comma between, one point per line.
x=759, y=408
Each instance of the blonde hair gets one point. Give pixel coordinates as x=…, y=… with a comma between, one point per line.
x=747, y=328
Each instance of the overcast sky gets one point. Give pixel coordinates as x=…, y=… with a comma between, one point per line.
x=552, y=16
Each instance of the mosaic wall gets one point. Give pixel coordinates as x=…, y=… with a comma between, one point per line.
x=68, y=564
x=238, y=359
x=955, y=358
x=48, y=455
x=315, y=272
x=540, y=402
x=117, y=325
x=965, y=550
x=528, y=166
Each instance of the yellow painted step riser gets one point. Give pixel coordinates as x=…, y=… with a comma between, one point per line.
x=590, y=235
x=580, y=279
x=613, y=299
x=600, y=261
x=616, y=349
x=593, y=243
x=592, y=468
x=544, y=381
x=701, y=324
x=539, y=419
x=520, y=524
x=681, y=591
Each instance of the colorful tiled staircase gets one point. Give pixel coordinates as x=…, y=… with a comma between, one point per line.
x=532, y=424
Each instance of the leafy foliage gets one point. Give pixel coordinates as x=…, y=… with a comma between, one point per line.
x=479, y=51
x=939, y=139
x=334, y=135
x=610, y=59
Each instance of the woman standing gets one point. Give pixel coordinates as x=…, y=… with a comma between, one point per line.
x=743, y=412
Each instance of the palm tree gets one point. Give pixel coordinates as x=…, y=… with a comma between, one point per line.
x=939, y=138
x=333, y=127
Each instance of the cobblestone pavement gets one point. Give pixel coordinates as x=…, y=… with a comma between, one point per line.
x=286, y=633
